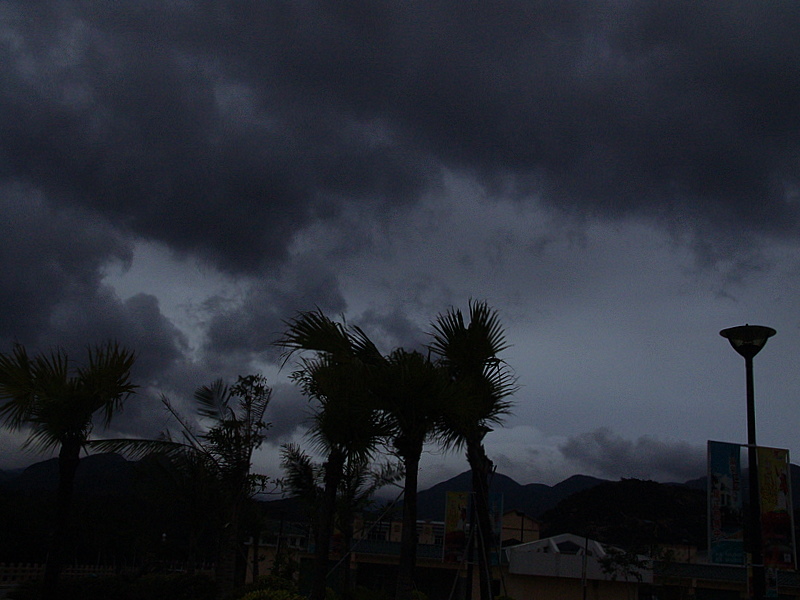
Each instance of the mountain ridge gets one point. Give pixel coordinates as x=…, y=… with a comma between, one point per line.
x=532, y=498
x=100, y=473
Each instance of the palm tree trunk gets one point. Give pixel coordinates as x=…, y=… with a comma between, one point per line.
x=333, y=474
x=481, y=467
x=346, y=526
x=68, y=461
x=408, y=541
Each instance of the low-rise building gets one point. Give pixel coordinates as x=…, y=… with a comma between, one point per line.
x=556, y=568
x=571, y=566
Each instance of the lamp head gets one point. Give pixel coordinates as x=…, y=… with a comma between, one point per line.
x=748, y=340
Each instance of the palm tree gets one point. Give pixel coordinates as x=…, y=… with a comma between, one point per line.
x=411, y=392
x=469, y=352
x=345, y=425
x=360, y=480
x=303, y=479
x=57, y=402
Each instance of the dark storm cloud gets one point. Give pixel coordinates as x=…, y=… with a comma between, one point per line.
x=259, y=320
x=672, y=109
x=288, y=409
x=51, y=285
x=231, y=130
x=223, y=129
x=608, y=454
x=393, y=330
x=52, y=293
x=171, y=123
x=50, y=257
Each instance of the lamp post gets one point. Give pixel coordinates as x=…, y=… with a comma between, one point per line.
x=748, y=340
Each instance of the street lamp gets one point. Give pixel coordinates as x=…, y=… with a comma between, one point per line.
x=748, y=340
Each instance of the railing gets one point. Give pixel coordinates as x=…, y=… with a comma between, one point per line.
x=14, y=573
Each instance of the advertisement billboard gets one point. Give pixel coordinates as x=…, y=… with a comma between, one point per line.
x=725, y=508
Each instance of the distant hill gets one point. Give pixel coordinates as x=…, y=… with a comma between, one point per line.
x=103, y=473
x=632, y=513
x=99, y=473
x=96, y=473
x=533, y=499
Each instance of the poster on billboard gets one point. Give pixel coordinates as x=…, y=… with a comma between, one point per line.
x=455, y=527
x=777, y=523
x=725, y=507
x=496, y=512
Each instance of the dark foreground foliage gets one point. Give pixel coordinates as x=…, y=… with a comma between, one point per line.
x=120, y=587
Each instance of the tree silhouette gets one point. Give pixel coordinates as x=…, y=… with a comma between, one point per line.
x=57, y=401
x=469, y=352
x=411, y=392
x=360, y=481
x=345, y=424
x=223, y=450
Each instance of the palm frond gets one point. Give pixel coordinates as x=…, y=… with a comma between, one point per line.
x=469, y=353
x=347, y=424
x=303, y=477
x=139, y=448
x=314, y=331
x=448, y=331
x=484, y=323
x=17, y=387
x=44, y=438
x=213, y=401
x=51, y=408
x=465, y=347
x=187, y=431
x=344, y=424
x=363, y=347
x=410, y=392
x=106, y=378
x=58, y=401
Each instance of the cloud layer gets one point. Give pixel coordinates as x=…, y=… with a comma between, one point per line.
x=580, y=164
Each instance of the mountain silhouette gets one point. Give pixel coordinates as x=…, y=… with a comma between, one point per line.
x=97, y=473
x=633, y=513
x=533, y=499
x=111, y=473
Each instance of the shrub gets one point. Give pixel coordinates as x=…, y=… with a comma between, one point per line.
x=271, y=595
x=268, y=583
x=363, y=593
x=175, y=587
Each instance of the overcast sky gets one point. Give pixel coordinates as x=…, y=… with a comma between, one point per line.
x=620, y=180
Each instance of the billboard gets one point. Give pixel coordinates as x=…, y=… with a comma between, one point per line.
x=455, y=527
x=725, y=509
x=496, y=512
x=777, y=523
x=456, y=530
x=725, y=506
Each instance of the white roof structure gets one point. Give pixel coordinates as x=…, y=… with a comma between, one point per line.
x=575, y=557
